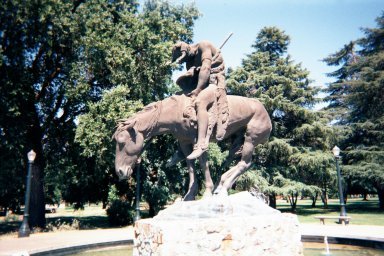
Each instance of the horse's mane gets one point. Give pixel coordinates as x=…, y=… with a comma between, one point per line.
x=144, y=120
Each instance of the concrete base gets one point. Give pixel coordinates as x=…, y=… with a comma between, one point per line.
x=236, y=225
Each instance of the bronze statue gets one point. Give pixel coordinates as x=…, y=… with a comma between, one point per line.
x=248, y=123
x=204, y=102
x=204, y=81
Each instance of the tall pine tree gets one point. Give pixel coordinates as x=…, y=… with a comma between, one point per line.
x=299, y=140
x=360, y=88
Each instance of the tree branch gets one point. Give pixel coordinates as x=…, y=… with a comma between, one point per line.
x=46, y=83
x=51, y=115
x=76, y=4
x=37, y=57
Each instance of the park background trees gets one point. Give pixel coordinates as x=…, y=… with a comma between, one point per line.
x=70, y=69
x=357, y=104
x=297, y=156
x=57, y=59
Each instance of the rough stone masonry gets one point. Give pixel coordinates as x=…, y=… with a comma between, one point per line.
x=240, y=224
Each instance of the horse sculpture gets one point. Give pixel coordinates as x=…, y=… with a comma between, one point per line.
x=249, y=123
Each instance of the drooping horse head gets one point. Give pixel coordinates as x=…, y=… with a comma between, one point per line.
x=130, y=135
x=129, y=144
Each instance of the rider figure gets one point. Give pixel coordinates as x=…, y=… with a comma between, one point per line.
x=205, y=66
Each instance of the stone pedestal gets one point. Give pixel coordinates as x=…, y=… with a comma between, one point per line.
x=236, y=225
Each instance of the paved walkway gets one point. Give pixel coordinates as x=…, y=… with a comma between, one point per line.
x=349, y=231
x=57, y=240
x=50, y=241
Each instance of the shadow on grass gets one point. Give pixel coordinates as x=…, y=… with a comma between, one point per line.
x=61, y=223
x=306, y=210
x=352, y=206
x=82, y=223
x=9, y=227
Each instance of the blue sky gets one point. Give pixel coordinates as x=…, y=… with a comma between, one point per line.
x=317, y=28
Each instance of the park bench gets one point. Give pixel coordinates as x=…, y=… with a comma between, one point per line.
x=50, y=209
x=342, y=219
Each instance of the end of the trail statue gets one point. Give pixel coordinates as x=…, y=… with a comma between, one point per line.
x=201, y=113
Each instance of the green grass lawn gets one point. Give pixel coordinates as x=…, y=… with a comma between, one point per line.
x=362, y=212
x=93, y=216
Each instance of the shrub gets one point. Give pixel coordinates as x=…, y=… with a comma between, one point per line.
x=62, y=225
x=120, y=213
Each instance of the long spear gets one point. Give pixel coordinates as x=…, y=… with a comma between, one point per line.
x=225, y=41
x=221, y=46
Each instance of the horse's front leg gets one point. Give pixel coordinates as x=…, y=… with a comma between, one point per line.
x=208, y=180
x=193, y=186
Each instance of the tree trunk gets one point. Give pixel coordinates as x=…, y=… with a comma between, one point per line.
x=37, y=200
x=314, y=199
x=272, y=201
x=151, y=211
x=293, y=201
x=380, y=193
x=290, y=202
x=345, y=194
x=324, y=197
x=37, y=204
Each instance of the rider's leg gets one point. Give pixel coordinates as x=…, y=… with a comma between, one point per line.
x=203, y=101
x=222, y=107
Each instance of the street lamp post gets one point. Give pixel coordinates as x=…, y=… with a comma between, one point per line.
x=336, y=153
x=137, y=217
x=24, y=230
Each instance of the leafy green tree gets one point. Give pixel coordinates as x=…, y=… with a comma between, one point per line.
x=361, y=79
x=143, y=76
x=36, y=54
x=298, y=133
x=57, y=57
x=93, y=135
